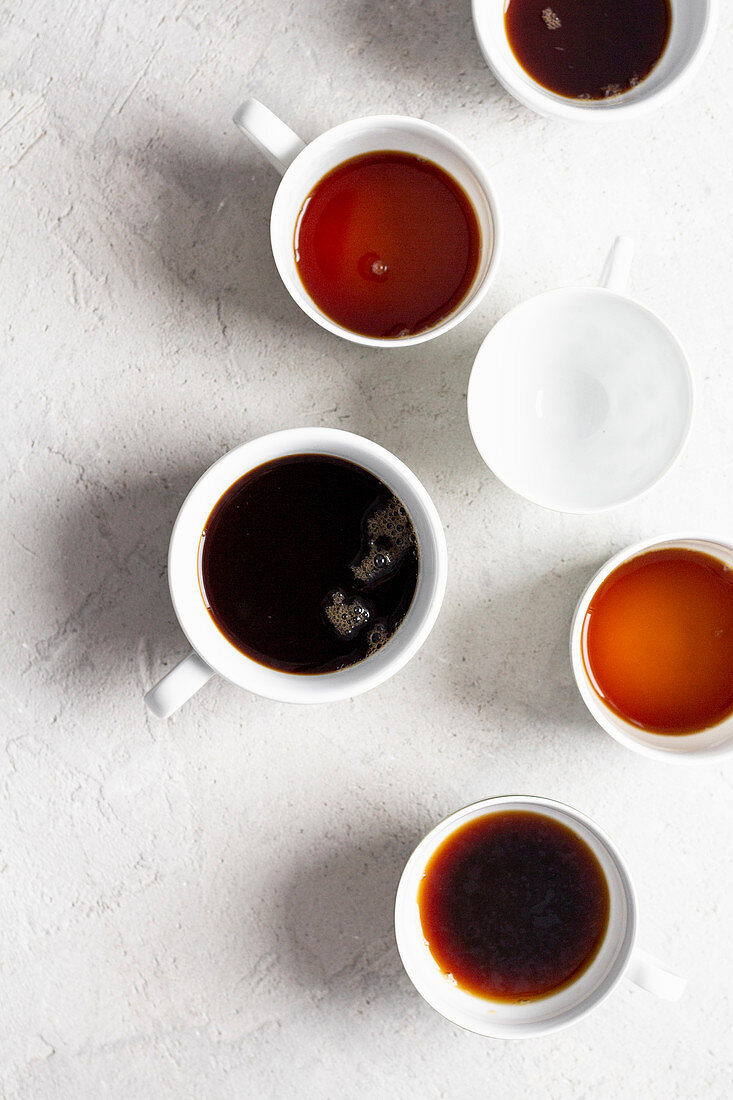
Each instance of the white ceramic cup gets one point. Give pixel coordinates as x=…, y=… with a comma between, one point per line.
x=689, y=748
x=617, y=957
x=302, y=166
x=581, y=399
x=691, y=33
x=212, y=653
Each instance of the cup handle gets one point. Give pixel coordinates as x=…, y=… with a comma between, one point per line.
x=617, y=268
x=271, y=136
x=646, y=971
x=178, y=685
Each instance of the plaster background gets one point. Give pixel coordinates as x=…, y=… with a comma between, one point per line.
x=202, y=907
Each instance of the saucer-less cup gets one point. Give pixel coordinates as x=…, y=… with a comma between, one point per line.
x=618, y=956
x=688, y=748
x=691, y=33
x=302, y=166
x=581, y=399
x=213, y=653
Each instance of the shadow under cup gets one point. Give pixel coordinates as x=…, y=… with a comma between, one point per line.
x=384, y=133
x=220, y=654
x=545, y=1014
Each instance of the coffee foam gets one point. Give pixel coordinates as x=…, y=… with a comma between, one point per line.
x=347, y=617
x=377, y=637
x=389, y=536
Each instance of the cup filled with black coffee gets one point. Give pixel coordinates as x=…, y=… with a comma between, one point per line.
x=516, y=916
x=385, y=230
x=308, y=565
x=596, y=61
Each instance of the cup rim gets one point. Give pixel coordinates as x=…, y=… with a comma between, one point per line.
x=549, y=104
x=469, y=304
x=569, y=815
x=474, y=417
x=233, y=665
x=613, y=725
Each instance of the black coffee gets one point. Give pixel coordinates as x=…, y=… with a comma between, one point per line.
x=588, y=49
x=514, y=905
x=309, y=563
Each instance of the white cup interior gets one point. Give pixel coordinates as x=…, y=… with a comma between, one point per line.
x=558, y=1010
x=693, y=25
x=387, y=133
x=687, y=748
x=580, y=399
x=226, y=659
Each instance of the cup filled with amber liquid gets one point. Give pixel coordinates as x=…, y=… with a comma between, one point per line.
x=652, y=648
x=306, y=566
x=516, y=916
x=385, y=230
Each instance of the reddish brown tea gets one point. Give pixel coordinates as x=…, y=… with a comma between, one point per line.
x=387, y=244
x=588, y=49
x=658, y=641
x=514, y=905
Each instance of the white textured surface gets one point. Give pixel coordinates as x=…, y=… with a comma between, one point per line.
x=203, y=907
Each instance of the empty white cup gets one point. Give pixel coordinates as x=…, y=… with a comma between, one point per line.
x=691, y=34
x=581, y=399
x=617, y=957
x=303, y=166
x=213, y=653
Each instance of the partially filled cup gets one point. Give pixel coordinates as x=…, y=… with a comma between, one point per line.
x=307, y=566
x=385, y=230
x=516, y=916
x=651, y=646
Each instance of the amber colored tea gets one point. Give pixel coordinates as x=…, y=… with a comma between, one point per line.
x=657, y=641
x=588, y=49
x=514, y=906
x=387, y=244
x=308, y=563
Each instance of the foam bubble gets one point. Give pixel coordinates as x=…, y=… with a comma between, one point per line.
x=377, y=635
x=372, y=266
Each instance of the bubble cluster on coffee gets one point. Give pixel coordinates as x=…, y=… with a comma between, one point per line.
x=551, y=19
x=346, y=616
x=349, y=617
x=388, y=537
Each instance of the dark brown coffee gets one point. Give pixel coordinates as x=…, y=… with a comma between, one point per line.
x=588, y=49
x=308, y=563
x=513, y=905
x=387, y=244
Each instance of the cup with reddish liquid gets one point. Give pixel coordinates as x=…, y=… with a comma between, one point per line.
x=385, y=230
x=517, y=916
x=651, y=645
